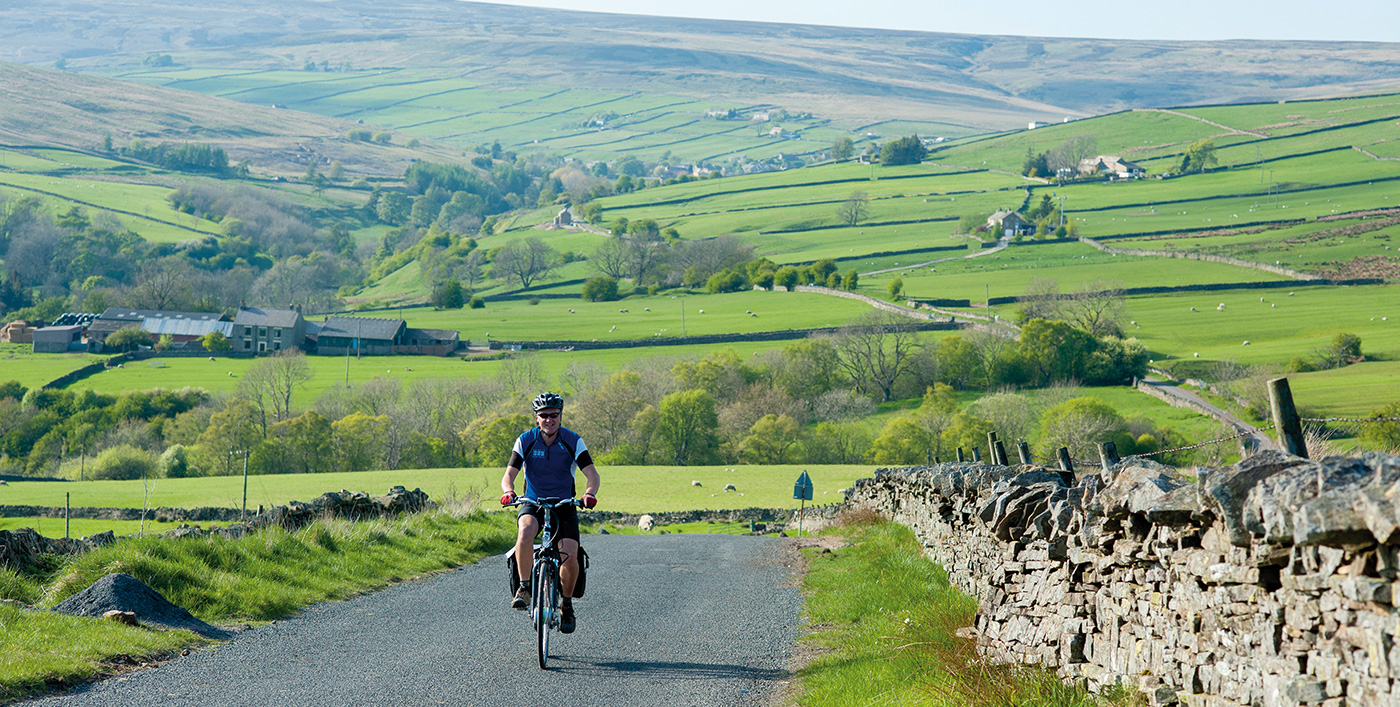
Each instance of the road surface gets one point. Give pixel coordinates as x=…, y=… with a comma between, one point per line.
x=670, y=619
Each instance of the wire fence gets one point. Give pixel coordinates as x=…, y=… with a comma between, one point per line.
x=1351, y=419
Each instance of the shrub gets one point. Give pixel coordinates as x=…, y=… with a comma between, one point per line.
x=124, y=462
x=477, y=303
x=174, y=462
x=600, y=289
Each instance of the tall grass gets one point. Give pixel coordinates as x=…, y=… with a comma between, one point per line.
x=885, y=623
x=259, y=577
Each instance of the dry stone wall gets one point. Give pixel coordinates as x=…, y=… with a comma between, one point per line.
x=24, y=547
x=1272, y=582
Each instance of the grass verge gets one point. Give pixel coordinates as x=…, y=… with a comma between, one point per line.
x=260, y=577
x=890, y=638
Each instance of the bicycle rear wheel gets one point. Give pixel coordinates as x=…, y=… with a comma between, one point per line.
x=547, y=601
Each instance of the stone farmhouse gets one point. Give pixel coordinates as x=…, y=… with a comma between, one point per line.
x=256, y=330
x=1111, y=165
x=1009, y=224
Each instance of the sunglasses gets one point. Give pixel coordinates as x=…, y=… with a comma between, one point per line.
x=547, y=415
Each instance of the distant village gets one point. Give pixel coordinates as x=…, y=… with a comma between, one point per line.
x=252, y=330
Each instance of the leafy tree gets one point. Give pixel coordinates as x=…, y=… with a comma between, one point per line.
x=896, y=288
x=838, y=443
x=786, y=278
x=686, y=427
x=842, y=149
x=1344, y=349
x=127, y=338
x=1035, y=164
x=771, y=440
x=174, y=462
x=1080, y=424
x=905, y=150
x=600, y=289
x=302, y=445
x=1199, y=156
x=1055, y=351
x=477, y=303
x=215, y=341
x=357, y=440
x=12, y=389
x=122, y=463
x=854, y=209
x=230, y=432
x=967, y=431
x=447, y=295
x=1384, y=436
x=851, y=281
x=726, y=281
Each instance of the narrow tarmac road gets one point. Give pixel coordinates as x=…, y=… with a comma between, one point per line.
x=670, y=619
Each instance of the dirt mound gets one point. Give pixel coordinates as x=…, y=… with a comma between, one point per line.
x=123, y=592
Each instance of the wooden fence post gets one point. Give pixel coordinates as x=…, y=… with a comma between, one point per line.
x=992, y=446
x=976, y=455
x=1066, y=466
x=1025, y=451
x=960, y=455
x=1000, y=451
x=1108, y=454
x=1286, y=422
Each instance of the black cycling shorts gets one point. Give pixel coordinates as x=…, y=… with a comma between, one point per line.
x=566, y=518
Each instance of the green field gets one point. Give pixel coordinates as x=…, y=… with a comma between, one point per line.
x=19, y=362
x=642, y=489
x=143, y=208
x=646, y=316
x=1070, y=264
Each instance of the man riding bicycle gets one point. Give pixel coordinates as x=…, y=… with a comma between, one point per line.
x=549, y=454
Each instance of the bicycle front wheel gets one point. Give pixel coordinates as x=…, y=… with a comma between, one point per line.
x=547, y=603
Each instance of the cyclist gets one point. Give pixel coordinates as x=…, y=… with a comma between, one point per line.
x=550, y=454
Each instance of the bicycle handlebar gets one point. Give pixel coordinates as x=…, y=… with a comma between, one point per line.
x=551, y=501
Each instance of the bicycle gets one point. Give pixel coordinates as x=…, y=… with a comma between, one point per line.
x=544, y=610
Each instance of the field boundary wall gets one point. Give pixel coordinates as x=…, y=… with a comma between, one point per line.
x=1271, y=582
x=1225, y=259
x=777, y=335
x=1206, y=287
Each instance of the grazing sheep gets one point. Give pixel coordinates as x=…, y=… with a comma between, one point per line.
x=1246, y=343
x=645, y=523
x=702, y=311
x=695, y=483
x=211, y=358
x=614, y=328
x=230, y=374
x=1196, y=355
x=729, y=487
x=647, y=308
x=571, y=311
x=1193, y=309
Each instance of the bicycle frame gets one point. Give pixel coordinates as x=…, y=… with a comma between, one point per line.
x=545, y=596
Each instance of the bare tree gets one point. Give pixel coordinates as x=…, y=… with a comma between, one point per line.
x=1096, y=308
x=165, y=284
x=645, y=251
x=1041, y=300
x=610, y=258
x=854, y=209
x=1068, y=154
x=269, y=385
x=876, y=350
x=525, y=261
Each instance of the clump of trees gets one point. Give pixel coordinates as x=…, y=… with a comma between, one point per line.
x=905, y=150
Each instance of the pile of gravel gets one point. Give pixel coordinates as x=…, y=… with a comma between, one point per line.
x=122, y=592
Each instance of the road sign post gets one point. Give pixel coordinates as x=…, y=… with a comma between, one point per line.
x=802, y=492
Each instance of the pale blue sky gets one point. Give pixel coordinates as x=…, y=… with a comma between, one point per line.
x=1362, y=20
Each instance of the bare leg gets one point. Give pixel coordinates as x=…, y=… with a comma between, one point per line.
x=525, y=546
x=568, y=574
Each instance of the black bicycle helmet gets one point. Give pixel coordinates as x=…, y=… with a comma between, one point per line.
x=547, y=400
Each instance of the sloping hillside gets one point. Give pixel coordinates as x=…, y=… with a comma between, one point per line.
x=48, y=107
x=863, y=76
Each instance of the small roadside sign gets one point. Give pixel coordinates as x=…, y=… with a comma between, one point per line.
x=802, y=490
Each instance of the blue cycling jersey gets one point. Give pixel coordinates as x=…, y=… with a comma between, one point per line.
x=549, y=468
